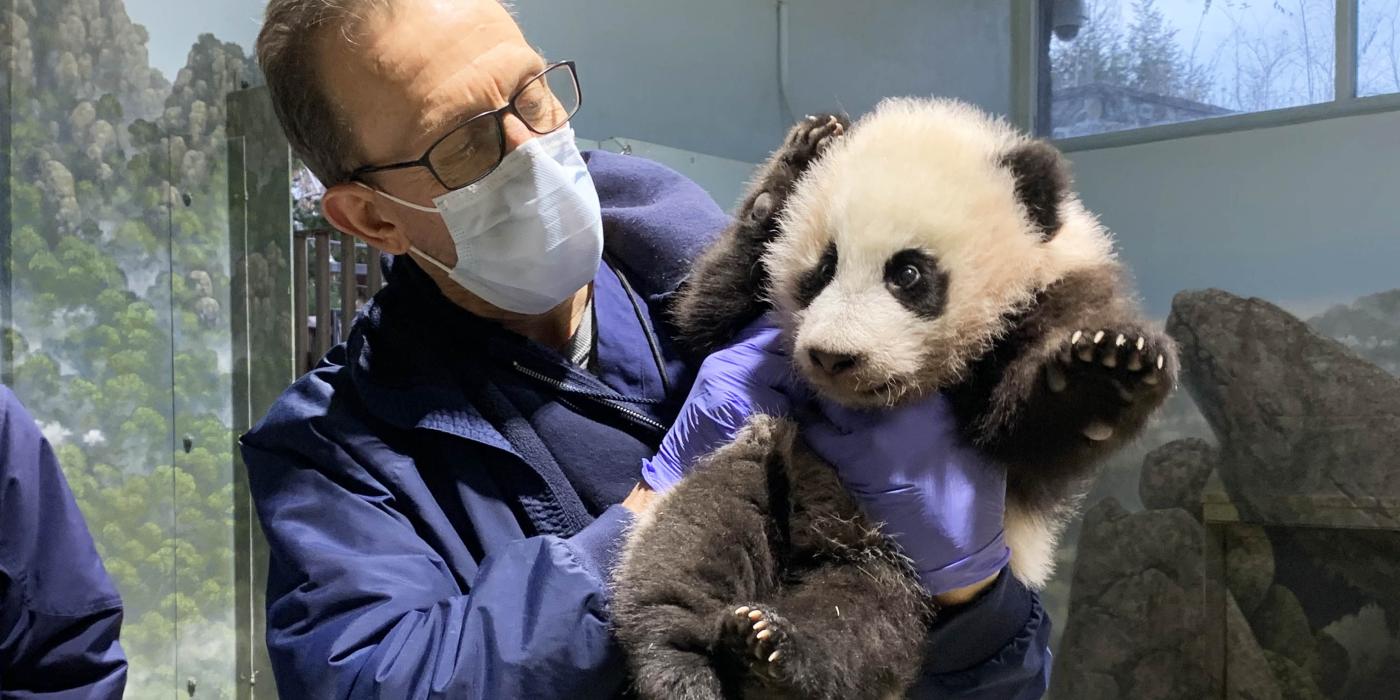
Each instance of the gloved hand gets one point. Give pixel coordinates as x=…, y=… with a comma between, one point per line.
x=908, y=467
x=751, y=375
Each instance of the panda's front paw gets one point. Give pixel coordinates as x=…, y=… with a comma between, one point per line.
x=811, y=137
x=807, y=140
x=764, y=636
x=1112, y=369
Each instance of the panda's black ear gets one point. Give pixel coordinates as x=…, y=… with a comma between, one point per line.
x=1042, y=180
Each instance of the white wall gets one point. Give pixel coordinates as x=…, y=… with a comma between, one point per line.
x=1302, y=215
x=702, y=75
x=724, y=178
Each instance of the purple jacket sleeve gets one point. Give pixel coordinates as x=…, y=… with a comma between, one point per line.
x=996, y=647
x=360, y=606
x=60, y=615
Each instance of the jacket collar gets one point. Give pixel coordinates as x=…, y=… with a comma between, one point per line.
x=420, y=361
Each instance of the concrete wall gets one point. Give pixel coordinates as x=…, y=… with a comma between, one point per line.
x=703, y=76
x=1302, y=215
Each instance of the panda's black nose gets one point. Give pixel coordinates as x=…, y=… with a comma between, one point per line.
x=834, y=363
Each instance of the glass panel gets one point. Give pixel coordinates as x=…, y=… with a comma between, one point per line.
x=118, y=328
x=1272, y=469
x=1378, y=47
x=204, y=487
x=1123, y=65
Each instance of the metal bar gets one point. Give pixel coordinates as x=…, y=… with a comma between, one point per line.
x=348, y=282
x=1231, y=123
x=301, y=328
x=374, y=276
x=261, y=247
x=1345, y=66
x=1042, y=112
x=324, y=335
x=1025, y=67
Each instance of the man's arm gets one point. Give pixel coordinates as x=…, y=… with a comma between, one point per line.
x=995, y=646
x=60, y=615
x=360, y=606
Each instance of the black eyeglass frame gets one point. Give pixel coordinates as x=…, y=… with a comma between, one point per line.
x=499, y=114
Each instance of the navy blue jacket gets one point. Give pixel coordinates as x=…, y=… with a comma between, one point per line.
x=439, y=495
x=60, y=615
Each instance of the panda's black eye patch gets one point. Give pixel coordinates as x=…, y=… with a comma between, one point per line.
x=812, y=282
x=915, y=279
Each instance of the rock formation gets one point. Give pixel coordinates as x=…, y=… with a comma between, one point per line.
x=1308, y=432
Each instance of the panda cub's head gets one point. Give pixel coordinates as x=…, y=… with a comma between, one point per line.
x=909, y=245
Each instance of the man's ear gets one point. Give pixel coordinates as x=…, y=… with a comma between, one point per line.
x=356, y=210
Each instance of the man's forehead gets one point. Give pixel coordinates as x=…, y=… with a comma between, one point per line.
x=423, y=64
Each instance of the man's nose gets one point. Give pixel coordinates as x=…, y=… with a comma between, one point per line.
x=516, y=132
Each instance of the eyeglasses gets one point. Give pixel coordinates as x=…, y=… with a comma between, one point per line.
x=474, y=149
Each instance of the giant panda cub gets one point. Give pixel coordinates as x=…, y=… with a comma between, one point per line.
x=928, y=248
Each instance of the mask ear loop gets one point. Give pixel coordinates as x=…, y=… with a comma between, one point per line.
x=427, y=210
x=396, y=200
x=646, y=327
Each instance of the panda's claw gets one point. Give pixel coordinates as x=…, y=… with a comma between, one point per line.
x=762, y=633
x=1055, y=378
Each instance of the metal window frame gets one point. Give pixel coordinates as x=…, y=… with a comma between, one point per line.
x=1029, y=107
x=261, y=282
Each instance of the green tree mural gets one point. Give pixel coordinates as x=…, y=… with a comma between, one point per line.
x=120, y=335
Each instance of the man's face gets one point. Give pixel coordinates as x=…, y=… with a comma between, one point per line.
x=412, y=73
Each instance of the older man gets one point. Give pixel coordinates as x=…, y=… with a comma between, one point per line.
x=445, y=495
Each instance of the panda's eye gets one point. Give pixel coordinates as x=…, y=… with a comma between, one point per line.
x=827, y=269
x=907, y=277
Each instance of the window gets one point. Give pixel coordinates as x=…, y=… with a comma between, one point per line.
x=1124, y=64
x=1378, y=47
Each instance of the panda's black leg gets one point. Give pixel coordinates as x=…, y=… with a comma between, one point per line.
x=843, y=630
x=725, y=290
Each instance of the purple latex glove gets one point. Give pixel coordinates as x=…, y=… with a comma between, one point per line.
x=909, y=469
x=751, y=375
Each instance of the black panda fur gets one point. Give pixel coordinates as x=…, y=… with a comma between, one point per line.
x=1018, y=311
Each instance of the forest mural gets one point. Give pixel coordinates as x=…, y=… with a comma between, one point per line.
x=119, y=337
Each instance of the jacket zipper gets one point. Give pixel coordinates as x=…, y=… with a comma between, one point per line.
x=597, y=397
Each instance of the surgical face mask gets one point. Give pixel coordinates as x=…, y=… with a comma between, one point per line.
x=530, y=234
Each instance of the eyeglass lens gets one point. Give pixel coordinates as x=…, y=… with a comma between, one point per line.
x=473, y=149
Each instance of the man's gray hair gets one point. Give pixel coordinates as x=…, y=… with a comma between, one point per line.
x=293, y=34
